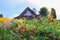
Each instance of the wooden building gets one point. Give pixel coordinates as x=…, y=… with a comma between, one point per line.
x=28, y=14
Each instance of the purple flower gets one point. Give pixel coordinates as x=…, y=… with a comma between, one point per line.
x=7, y=23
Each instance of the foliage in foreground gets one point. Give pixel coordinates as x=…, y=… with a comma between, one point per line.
x=30, y=30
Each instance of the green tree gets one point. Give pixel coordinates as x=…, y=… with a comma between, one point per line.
x=53, y=12
x=1, y=15
x=43, y=11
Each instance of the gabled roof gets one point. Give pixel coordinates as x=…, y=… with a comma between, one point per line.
x=29, y=10
x=34, y=13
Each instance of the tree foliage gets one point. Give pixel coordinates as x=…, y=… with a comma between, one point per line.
x=53, y=12
x=43, y=11
x=1, y=15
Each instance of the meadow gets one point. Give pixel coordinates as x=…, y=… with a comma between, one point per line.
x=22, y=29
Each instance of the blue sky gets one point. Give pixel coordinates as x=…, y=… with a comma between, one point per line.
x=12, y=8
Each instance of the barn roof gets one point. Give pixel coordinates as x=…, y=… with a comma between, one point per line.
x=34, y=13
x=25, y=11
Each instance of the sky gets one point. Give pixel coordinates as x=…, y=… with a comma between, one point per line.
x=12, y=8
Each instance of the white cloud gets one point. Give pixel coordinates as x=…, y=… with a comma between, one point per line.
x=41, y=3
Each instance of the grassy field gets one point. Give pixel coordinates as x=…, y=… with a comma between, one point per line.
x=29, y=29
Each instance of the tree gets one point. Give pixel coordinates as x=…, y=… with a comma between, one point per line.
x=34, y=9
x=1, y=15
x=43, y=11
x=53, y=12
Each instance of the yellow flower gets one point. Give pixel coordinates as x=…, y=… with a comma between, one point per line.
x=20, y=20
x=4, y=19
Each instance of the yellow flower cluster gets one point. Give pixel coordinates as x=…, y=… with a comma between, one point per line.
x=4, y=19
x=8, y=19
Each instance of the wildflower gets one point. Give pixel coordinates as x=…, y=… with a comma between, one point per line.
x=4, y=19
x=51, y=20
x=20, y=20
x=32, y=30
x=22, y=29
x=15, y=26
x=7, y=23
